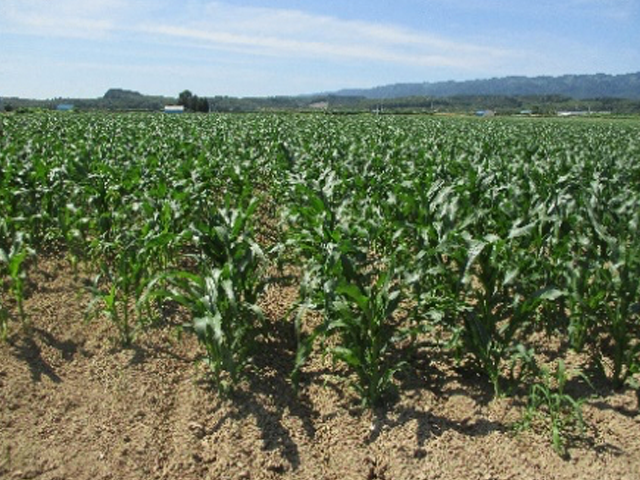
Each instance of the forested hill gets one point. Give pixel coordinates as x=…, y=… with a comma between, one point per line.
x=575, y=86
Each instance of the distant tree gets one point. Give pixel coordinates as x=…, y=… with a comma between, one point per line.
x=185, y=99
x=121, y=94
x=192, y=102
x=202, y=105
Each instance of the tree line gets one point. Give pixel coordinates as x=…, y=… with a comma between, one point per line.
x=192, y=102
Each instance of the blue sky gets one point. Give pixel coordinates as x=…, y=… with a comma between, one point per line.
x=80, y=48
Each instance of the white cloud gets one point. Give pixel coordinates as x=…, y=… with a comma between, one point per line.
x=257, y=30
x=63, y=18
x=293, y=33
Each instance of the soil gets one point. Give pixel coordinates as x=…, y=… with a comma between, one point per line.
x=75, y=405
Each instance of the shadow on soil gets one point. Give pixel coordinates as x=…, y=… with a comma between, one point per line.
x=67, y=348
x=430, y=425
x=424, y=375
x=601, y=386
x=270, y=397
x=144, y=353
x=28, y=350
x=627, y=412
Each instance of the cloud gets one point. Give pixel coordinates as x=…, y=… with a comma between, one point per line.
x=63, y=18
x=293, y=33
x=261, y=31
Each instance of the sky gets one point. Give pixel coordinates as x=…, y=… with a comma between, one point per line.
x=81, y=48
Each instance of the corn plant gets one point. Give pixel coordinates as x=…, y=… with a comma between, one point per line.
x=12, y=264
x=4, y=311
x=224, y=323
x=551, y=408
x=362, y=318
x=358, y=302
x=585, y=300
x=503, y=306
x=73, y=228
x=621, y=315
x=119, y=287
x=222, y=296
x=604, y=292
x=434, y=256
x=225, y=237
x=345, y=280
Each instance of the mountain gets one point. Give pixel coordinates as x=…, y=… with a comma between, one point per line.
x=599, y=85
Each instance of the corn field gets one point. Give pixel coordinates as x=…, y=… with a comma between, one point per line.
x=474, y=241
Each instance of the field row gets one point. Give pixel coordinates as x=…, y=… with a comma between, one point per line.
x=479, y=235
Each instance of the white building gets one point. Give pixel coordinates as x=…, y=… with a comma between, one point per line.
x=174, y=109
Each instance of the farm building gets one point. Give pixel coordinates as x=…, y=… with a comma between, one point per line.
x=319, y=105
x=174, y=109
x=64, y=107
x=573, y=113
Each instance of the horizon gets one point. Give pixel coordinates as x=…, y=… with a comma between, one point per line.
x=322, y=94
x=73, y=49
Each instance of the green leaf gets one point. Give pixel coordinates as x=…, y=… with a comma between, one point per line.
x=348, y=356
x=510, y=276
x=354, y=293
x=475, y=249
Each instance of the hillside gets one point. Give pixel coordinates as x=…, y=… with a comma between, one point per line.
x=575, y=86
